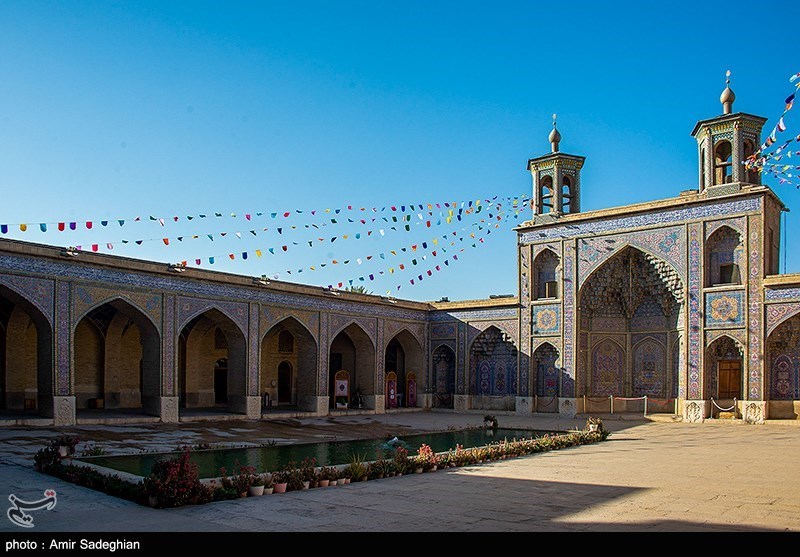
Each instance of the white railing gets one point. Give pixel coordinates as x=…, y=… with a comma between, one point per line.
x=611, y=399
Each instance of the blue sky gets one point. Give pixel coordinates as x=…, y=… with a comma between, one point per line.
x=112, y=110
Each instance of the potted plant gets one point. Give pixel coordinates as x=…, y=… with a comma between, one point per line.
x=378, y=469
x=357, y=470
x=308, y=469
x=65, y=445
x=269, y=486
x=334, y=475
x=256, y=488
x=426, y=459
x=326, y=475
x=242, y=478
x=280, y=479
x=402, y=462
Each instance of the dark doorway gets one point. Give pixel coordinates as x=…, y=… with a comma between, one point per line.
x=284, y=382
x=221, y=381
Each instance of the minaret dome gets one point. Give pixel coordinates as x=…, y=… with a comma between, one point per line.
x=727, y=97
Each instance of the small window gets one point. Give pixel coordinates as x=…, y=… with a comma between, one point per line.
x=285, y=342
x=220, y=341
x=723, y=163
x=566, y=195
x=729, y=273
x=546, y=195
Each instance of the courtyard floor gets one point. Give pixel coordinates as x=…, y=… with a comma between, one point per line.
x=651, y=475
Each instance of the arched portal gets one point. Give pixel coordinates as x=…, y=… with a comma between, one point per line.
x=444, y=376
x=353, y=351
x=545, y=359
x=493, y=369
x=629, y=312
x=724, y=374
x=289, y=365
x=403, y=356
x=783, y=361
x=26, y=356
x=212, y=351
x=117, y=359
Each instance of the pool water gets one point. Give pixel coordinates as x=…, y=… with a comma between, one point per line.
x=331, y=453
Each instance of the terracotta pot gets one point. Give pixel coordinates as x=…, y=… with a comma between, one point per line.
x=324, y=483
x=281, y=487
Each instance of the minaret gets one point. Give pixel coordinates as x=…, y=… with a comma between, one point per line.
x=556, y=179
x=724, y=143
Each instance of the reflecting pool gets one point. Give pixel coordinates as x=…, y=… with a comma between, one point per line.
x=329, y=453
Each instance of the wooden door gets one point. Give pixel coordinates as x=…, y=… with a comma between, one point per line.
x=729, y=379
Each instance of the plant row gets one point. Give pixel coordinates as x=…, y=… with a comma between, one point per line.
x=174, y=481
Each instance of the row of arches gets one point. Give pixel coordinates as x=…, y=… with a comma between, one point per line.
x=117, y=355
x=116, y=360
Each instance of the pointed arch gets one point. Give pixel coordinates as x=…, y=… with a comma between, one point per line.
x=724, y=256
x=633, y=243
x=26, y=354
x=546, y=271
x=783, y=359
x=493, y=363
x=443, y=371
x=198, y=353
x=642, y=273
x=212, y=307
x=547, y=195
x=302, y=358
x=607, y=368
x=724, y=377
x=117, y=357
x=649, y=368
x=404, y=356
x=723, y=162
x=546, y=360
x=351, y=349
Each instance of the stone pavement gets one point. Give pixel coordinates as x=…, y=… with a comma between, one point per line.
x=649, y=476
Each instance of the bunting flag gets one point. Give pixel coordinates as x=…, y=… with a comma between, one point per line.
x=434, y=241
x=61, y=226
x=759, y=159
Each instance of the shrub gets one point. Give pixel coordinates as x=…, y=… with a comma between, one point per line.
x=308, y=469
x=174, y=482
x=402, y=462
x=356, y=469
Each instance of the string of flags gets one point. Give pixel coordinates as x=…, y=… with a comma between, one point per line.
x=761, y=159
x=421, y=247
x=485, y=214
x=406, y=222
x=427, y=208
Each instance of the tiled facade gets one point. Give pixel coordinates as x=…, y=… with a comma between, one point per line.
x=671, y=304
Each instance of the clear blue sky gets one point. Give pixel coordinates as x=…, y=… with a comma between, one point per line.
x=111, y=110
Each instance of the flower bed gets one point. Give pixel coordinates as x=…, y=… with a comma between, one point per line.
x=174, y=482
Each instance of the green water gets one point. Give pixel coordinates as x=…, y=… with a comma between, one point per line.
x=330, y=453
